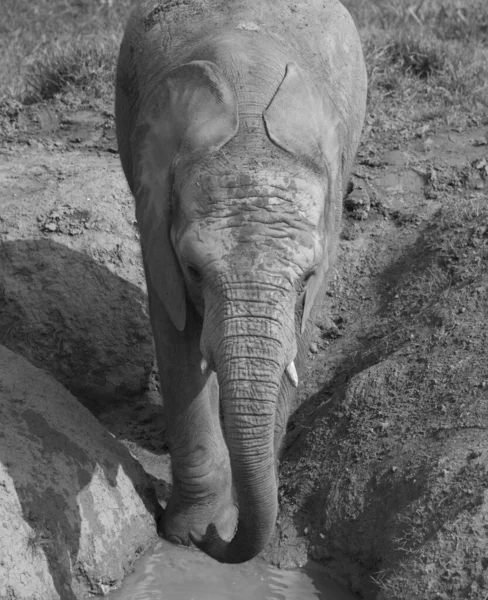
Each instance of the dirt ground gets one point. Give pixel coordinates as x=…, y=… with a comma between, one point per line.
x=385, y=468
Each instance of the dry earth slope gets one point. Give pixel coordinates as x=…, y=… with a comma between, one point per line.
x=385, y=470
x=386, y=473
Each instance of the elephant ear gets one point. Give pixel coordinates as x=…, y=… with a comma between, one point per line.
x=304, y=121
x=193, y=108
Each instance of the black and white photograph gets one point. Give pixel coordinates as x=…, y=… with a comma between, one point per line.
x=244, y=299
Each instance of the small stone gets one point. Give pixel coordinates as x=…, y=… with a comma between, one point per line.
x=421, y=131
x=314, y=348
x=104, y=588
x=431, y=194
x=358, y=203
x=248, y=26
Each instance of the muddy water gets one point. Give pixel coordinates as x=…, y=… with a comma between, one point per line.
x=173, y=573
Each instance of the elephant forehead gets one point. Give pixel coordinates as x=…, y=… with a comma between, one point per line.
x=270, y=252
x=259, y=196
x=257, y=247
x=248, y=230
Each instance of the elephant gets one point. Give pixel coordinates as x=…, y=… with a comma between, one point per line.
x=237, y=123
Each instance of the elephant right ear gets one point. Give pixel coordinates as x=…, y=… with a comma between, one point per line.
x=193, y=108
x=304, y=121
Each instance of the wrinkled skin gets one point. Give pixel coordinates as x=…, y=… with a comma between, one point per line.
x=237, y=125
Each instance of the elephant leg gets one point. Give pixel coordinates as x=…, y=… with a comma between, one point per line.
x=202, y=480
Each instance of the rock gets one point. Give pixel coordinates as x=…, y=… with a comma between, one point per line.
x=75, y=508
x=70, y=315
x=358, y=202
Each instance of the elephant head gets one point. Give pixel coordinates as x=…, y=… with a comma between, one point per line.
x=239, y=211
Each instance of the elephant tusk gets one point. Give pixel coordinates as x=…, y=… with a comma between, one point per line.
x=205, y=367
x=291, y=373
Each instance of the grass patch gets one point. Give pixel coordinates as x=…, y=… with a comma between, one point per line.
x=416, y=56
x=47, y=30
x=460, y=20
x=425, y=52
x=40, y=540
x=457, y=72
x=417, y=51
x=88, y=69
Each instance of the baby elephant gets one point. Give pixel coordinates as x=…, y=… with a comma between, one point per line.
x=237, y=124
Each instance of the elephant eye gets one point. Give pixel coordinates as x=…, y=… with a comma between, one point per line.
x=194, y=274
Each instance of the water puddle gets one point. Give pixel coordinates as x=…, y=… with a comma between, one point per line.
x=169, y=572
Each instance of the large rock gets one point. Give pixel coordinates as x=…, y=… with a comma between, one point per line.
x=75, y=508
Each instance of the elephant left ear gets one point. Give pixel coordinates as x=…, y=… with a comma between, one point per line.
x=304, y=121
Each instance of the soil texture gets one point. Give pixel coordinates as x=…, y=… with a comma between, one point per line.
x=385, y=467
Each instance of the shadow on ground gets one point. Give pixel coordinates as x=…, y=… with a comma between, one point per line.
x=391, y=455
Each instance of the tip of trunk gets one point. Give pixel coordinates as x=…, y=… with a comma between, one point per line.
x=243, y=547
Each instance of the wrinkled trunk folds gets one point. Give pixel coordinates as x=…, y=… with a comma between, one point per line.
x=251, y=337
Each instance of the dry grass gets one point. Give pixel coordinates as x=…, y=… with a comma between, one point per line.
x=394, y=585
x=36, y=38
x=40, y=539
x=425, y=52
x=447, y=19
x=418, y=51
x=74, y=66
x=412, y=65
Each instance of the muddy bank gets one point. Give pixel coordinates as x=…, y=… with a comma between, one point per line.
x=383, y=476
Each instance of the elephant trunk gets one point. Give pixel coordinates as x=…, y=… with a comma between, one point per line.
x=250, y=359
